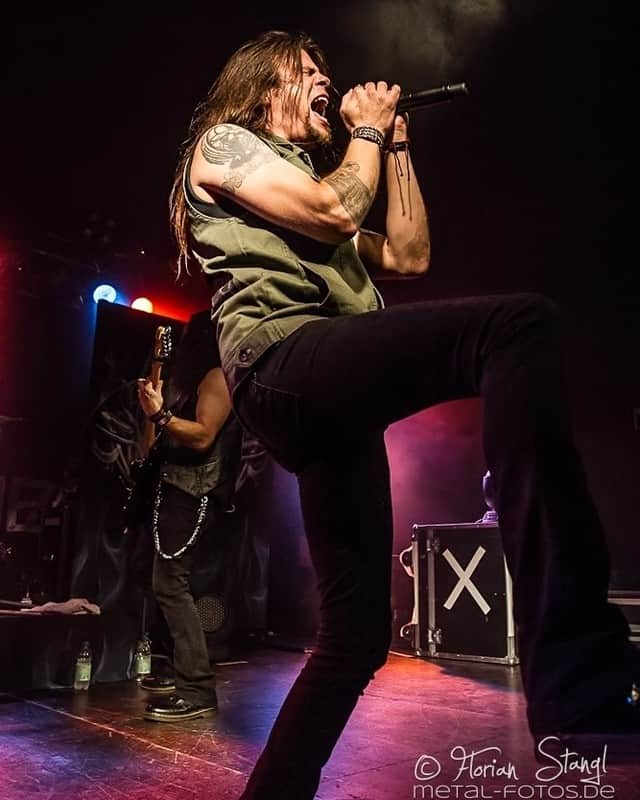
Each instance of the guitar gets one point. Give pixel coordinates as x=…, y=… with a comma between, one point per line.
x=161, y=351
x=143, y=473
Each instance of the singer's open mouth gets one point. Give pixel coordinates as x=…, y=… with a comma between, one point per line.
x=319, y=107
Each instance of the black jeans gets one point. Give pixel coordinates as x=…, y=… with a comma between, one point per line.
x=194, y=678
x=321, y=400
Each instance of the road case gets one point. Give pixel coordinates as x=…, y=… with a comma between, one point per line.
x=462, y=594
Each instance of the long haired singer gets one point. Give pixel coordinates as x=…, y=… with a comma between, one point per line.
x=318, y=368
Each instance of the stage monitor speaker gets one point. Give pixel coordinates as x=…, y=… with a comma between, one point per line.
x=213, y=613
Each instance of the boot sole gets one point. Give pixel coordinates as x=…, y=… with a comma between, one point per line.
x=159, y=717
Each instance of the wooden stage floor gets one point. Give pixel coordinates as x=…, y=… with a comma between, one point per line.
x=404, y=741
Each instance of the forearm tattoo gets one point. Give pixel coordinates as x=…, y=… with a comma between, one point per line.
x=239, y=149
x=354, y=195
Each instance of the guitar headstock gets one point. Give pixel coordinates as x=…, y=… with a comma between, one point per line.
x=162, y=344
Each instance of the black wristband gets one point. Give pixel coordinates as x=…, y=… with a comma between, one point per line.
x=155, y=417
x=370, y=134
x=164, y=419
x=397, y=147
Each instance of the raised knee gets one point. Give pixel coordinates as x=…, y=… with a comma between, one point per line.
x=529, y=317
x=538, y=306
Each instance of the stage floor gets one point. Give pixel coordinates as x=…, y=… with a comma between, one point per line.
x=416, y=718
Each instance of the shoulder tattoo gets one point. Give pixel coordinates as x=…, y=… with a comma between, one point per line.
x=238, y=149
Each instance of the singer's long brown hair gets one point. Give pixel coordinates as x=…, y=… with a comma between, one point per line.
x=239, y=96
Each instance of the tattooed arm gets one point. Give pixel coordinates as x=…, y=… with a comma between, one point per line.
x=231, y=161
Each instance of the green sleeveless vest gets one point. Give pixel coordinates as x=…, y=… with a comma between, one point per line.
x=279, y=279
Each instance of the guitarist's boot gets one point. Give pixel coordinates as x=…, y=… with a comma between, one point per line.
x=158, y=684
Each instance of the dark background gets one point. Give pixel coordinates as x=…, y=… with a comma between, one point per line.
x=524, y=179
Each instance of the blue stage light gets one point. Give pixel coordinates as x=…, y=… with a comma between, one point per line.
x=104, y=292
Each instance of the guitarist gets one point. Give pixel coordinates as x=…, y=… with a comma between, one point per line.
x=198, y=443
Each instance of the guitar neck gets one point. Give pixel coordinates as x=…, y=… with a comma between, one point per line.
x=149, y=431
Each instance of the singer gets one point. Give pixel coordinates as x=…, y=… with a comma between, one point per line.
x=318, y=369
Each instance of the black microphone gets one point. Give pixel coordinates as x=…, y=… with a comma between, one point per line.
x=443, y=94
